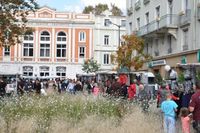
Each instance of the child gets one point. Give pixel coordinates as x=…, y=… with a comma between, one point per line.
x=169, y=107
x=185, y=120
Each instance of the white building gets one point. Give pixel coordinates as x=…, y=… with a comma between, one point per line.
x=107, y=32
x=170, y=29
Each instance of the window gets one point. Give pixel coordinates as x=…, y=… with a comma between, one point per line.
x=44, y=50
x=185, y=39
x=138, y=23
x=61, y=45
x=27, y=71
x=158, y=12
x=28, y=49
x=123, y=23
x=61, y=37
x=186, y=5
x=7, y=51
x=61, y=71
x=81, y=52
x=106, y=40
x=147, y=17
x=45, y=44
x=44, y=71
x=45, y=36
x=82, y=37
x=28, y=37
x=106, y=22
x=130, y=28
x=106, y=59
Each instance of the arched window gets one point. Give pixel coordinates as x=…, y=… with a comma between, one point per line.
x=61, y=36
x=61, y=45
x=28, y=45
x=45, y=44
x=82, y=36
x=45, y=36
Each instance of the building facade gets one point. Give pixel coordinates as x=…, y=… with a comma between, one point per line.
x=59, y=44
x=108, y=31
x=170, y=29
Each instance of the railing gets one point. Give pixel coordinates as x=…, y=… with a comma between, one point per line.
x=146, y=1
x=169, y=20
x=130, y=11
x=137, y=4
x=185, y=18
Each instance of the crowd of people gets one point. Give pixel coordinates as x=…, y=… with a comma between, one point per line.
x=182, y=101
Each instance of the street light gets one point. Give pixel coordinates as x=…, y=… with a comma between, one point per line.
x=119, y=26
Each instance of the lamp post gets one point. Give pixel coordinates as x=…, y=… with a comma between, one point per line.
x=119, y=26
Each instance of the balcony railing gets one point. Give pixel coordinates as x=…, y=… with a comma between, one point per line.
x=146, y=1
x=137, y=4
x=185, y=18
x=166, y=21
x=130, y=11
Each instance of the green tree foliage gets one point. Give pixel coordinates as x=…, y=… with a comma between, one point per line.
x=13, y=20
x=88, y=9
x=115, y=10
x=100, y=8
x=90, y=66
x=131, y=53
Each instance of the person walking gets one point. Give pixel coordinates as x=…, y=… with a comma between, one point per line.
x=169, y=108
x=194, y=107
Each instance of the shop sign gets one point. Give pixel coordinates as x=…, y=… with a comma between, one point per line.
x=157, y=63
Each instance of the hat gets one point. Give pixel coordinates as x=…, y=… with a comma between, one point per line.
x=167, y=68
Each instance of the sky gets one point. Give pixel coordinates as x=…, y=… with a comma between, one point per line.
x=78, y=5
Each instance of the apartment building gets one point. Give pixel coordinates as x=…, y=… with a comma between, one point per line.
x=170, y=29
x=58, y=46
x=108, y=31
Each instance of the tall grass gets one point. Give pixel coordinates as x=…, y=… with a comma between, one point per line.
x=74, y=114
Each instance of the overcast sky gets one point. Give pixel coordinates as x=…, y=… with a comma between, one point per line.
x=78, y=5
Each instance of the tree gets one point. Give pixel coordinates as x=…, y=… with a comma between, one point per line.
x=131, y=53
x=100, y=8
x=13, y=20
x=90, y=66
x=115, y=10
x=88, y=9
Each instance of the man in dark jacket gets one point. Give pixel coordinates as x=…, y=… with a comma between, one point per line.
x=2, y=88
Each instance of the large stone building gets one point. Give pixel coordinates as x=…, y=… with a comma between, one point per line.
x=170, y=29
x=60, y=43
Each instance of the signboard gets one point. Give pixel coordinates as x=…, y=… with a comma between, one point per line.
x=157, y=63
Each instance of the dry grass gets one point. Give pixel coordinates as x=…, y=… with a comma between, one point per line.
x=136, y=122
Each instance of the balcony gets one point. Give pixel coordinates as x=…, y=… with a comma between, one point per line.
x=185, y=17
x=160, y=25
x=146, y=1
x=138, y=5
x=130, y=11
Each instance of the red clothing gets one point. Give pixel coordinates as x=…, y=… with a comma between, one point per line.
x=185, y=124
x=195, y=103
x=131, y=91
